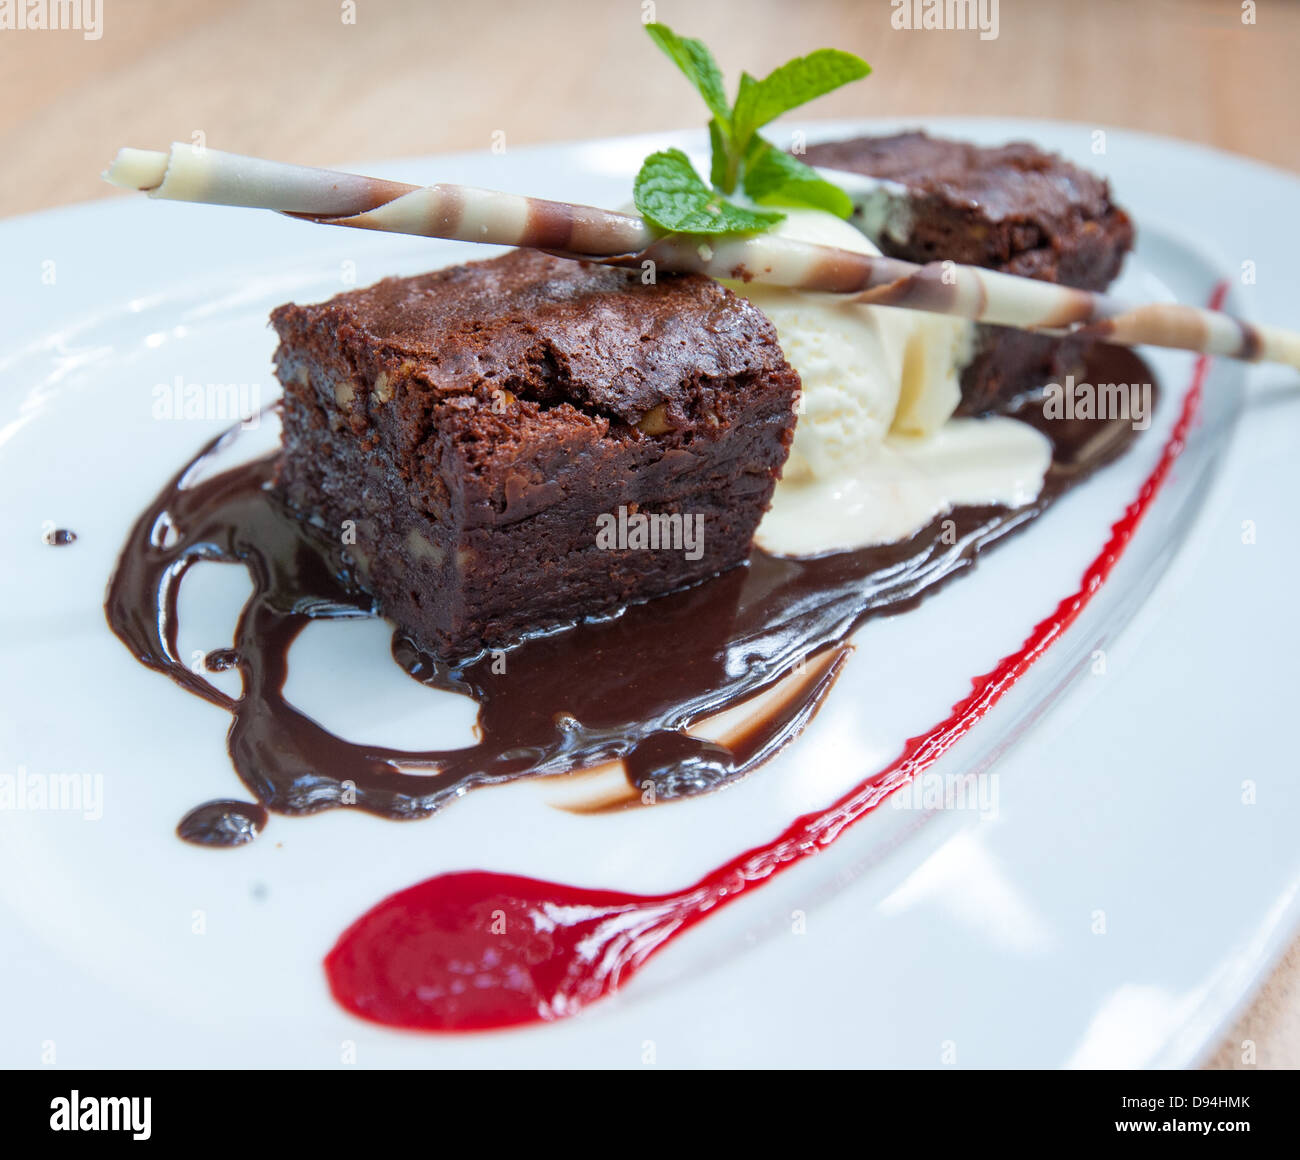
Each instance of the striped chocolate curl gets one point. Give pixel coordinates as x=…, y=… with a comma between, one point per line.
x=458, y=212
x=463, y=213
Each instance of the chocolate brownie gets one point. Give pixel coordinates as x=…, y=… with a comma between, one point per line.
x=474, y=433
x=1011, y=207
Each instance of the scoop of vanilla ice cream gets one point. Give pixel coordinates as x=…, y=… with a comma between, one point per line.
x=877, y=453
x=867, y=371
x=851, y=365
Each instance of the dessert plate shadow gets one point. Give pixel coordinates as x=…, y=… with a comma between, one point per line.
x=1119, y=870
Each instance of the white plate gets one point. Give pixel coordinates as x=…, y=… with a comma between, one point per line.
x=931, y=937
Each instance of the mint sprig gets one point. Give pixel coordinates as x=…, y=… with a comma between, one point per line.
x=740, y=156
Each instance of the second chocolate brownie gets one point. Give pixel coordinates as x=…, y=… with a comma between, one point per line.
x=1014, y=208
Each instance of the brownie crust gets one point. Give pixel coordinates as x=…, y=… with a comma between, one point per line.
x=1013, y=208
x=466, y=429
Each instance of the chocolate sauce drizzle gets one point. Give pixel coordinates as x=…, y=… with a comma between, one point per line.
x=220, y=660
x=222, y=823
x=628, y=687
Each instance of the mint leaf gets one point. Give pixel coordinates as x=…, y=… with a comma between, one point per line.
x=696, y=61
x=793, y=84
x=775, y=178
x=671, y=195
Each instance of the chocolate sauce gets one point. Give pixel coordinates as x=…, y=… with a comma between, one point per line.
x=627, y=688
x=220, y=660
x=60, y=537
x=222, y=823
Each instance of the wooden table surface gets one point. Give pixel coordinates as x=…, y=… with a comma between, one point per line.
x=295, y=80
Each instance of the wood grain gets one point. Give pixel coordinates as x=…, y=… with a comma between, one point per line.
x=290, y=79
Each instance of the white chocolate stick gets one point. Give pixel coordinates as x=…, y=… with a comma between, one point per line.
x=463, y=213
x=458, y=212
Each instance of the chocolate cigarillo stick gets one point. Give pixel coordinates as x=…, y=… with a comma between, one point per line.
x=458, y=212
x=987, y=296
x=463, y=213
